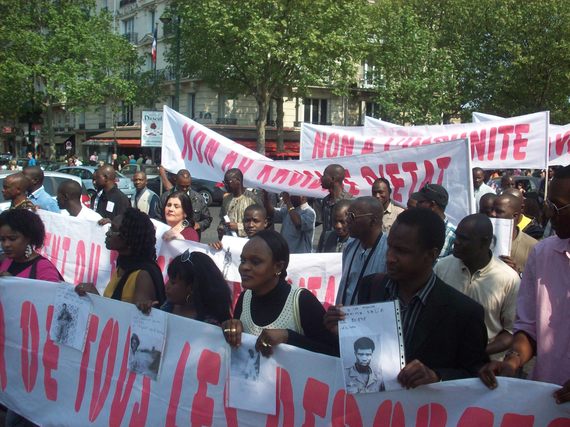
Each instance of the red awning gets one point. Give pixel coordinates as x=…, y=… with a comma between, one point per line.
x=129, y=142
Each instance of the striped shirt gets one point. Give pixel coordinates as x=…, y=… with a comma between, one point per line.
x=409, y=313
x=449, y=239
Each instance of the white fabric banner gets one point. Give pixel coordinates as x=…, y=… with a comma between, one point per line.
x=518, y=142
x=54, y=385
x=558, y=139
x=187, y=144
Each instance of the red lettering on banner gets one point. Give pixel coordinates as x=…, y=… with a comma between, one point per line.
x=562, y=143
x=431, y=415
x=411, y=168
x=347, y=145
x=208, y=372
x=368, y=174
x=333, y=145
x=91, y=337
x=3, y=376
x=315, y=401
x=476, y=417
x=281, y=175
x=186, y=146
x=560, y=422
x=66, y=246
x=120, y=399
x=345, y=411
x=368, y=146
x=197, y=142
x=397, y=182
x=478, y=141
x=388, y=415
x=517, y=420
x=210, y=151
x=285, y=401
x=352, y=187
x=263, y=175
x=331, y=293
x=50, y=359
x=79, y=262
x=296, y=177
x=311, y=182
x=30, y=344
x=229, y=161
x=319, y=146
x=442, y=163
x=230, y=413
x=107, y=349
x=505, y=131
x=92, y=264
x=519, y=142
x=245, y=164
x=177, y=386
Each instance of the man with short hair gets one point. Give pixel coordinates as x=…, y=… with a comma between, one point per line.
x=16, y=190
x=336, y=239
x=365, y=254
x=527, y=225
x=479, y=186
x=145, y=200
x=444, y=331
x=37, y=194
x=31, y=159
x=507, y=181
x=298, y=220
x=254, y=220
x=486, y=203
x=332, y=181
x=361, y=377
x=234, y=204
x=541, y=325
x=508, y=206
x=474, y=271
x=69, y=199
x=109, y=201
x=382, y=190
x=435, y=198
x=183, y=182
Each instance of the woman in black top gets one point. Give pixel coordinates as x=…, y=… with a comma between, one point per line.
x=270, y=308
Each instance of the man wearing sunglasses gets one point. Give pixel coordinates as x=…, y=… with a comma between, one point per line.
x=541, y=325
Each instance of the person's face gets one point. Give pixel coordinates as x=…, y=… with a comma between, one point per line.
x=478, y=178
x=466, y=244
x=380, y=191
x=358, y=220
x=99, y=180
x=340, y=224
x=113, y=239
x=486, y=206
x=183, y=183
x=13, y=243
x=176, y=291
x=139, y=180
x=232, y=183
x=405, y=258
x=502, y=209
x=253, y=222
x=257, y=268
x=10, y=190
x=173, y=211
x=559, y=198
x=363, y=356
x=134, y=344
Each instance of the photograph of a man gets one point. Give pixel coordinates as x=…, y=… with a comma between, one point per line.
x=363, y=376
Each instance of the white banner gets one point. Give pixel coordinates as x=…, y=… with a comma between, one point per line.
x=54, y=385
x=558, y=139
x=518, y=142
x=189, y=145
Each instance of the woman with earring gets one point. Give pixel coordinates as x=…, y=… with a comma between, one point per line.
x=178, y=214
x=270, y=308
x=22, y=232
x=195, y=289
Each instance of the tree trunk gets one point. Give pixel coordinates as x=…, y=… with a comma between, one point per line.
x=262, y=107
x=279, y=123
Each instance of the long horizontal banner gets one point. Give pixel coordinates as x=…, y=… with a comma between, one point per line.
x=77, y=249
x=558, y=139
x=187, y=144
x=519, y=142
x=54, y=385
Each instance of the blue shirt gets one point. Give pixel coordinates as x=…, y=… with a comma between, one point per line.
x=300, y=240
x=32, y=162
x=43, y=200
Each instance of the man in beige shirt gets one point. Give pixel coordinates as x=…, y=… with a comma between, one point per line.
x=382, y=190
x=473, y=270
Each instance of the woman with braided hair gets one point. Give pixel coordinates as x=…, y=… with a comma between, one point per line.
x=137, y=277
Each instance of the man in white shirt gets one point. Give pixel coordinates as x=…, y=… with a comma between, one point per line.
x=69, y=199
x=479, y=186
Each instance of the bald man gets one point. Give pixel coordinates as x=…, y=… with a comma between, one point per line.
x=37, y=194
x=15, y=189
x=109, y=200
x=528, y=225
x=474, y=271
x=69, y=200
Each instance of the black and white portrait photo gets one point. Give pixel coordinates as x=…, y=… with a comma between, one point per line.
x=246, y=363
x=148, y=332
x=70, y=318
x=364, y=374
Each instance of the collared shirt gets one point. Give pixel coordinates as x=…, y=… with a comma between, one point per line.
x=86, y=213
x=357, y=382
x=495, y=287
x=449, y=239
x=409, y=313
x=390, y=215
x=354, y=259
x=111, y=203
x=520, y=249
x=152, y=205
x=41, y=198
x=234, y=207
x=330, y=242
x=543, y=308
x=479, y=192
x=299, y=239
x=324, y=208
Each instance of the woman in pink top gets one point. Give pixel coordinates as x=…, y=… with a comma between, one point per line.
x=22, y=232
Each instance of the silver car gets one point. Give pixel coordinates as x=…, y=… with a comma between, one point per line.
x=86, y=174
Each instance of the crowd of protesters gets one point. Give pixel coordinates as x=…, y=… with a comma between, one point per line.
x=464, y=311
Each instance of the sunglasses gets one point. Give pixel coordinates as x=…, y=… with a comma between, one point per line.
x=351, y=216
x=555, y=209
x=186, y=257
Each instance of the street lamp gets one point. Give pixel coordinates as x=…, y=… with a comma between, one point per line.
x=166, y=21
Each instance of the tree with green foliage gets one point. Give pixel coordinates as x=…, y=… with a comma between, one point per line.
x=262, y=48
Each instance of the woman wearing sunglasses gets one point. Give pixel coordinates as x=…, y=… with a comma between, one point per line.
x=138, y=276
x=195, y=289
x=269, y=307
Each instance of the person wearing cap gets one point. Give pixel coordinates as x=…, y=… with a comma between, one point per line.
x=435, y=198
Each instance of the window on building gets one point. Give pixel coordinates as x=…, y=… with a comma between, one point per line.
x=152, y=16
x=369, y=75
x=81, y=123
x=129, y=30
x=127, y=115
x=102, y=116
x=192, y=105
x=373, y=109
x=316, y=111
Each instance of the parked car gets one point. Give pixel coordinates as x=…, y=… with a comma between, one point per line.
x=86, y=174
x=52, y=180
x=212, y=192
x=130, y=169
